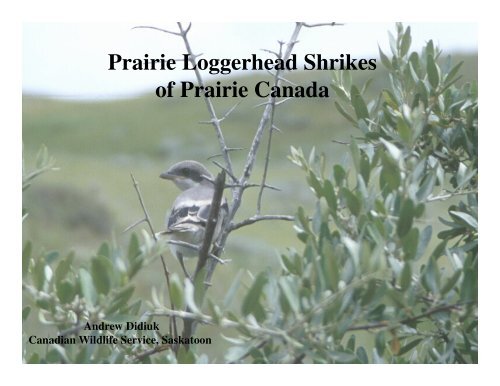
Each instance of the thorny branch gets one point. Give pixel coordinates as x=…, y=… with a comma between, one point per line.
x=208, y=101
x=173, y=324
x=254, y=219
x=240, y=184
x=252, y=153
x=213, y=219
x=269, y=140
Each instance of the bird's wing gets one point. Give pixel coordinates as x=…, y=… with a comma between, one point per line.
x=191, y=209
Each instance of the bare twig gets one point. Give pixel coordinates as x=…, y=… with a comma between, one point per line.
x=224, y=322
x=270, y=137
x=256, y=218
x=228, y=149
x=452, y=194
x=371, y=326
x=152, y=351
x=213, y=218
x=134, y=225
x=242, y=183
x=208, y=101
x=211, y=225
x=340, y=142
x=225, y=115
x=194, y=247
x=229, y=173
x=173, y=324
x=331, y=24
x=252, y=153
x=157, y=29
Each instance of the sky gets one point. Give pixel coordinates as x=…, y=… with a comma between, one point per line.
x=71, y=60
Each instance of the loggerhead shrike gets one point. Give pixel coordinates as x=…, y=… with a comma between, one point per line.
x=187, y=219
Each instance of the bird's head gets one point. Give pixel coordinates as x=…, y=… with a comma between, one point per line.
x=187, y=174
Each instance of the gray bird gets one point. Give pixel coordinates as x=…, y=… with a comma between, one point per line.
x=188, y=217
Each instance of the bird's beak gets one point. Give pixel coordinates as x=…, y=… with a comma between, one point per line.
x=167, y=176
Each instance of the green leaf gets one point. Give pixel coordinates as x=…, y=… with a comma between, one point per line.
x=352, y=202
x=468, y=291
x=355, y=154
x=406, y=41
x=303, y=220
x=251, y=302
x=345, y=114
x=385, y=60
x=467, y=218
x=390, y=176
x=427, y=186
x=351, y=343
x=63, y=268
x=390, y=99
x=39, y=273
x=404, y=131
x=189, y=296
x=88, y=290
x=430, y=277
x=26, y=312
x=451, y=74
x=177, y=292
x=65, y=291
x=51, y=257
x=346, y=78
x=393, y=150
x=439, y=250
x=432, y=72
x=451, y=282
x=419, y=210
x=423, y=241
x=314, y=183
x=429, y=48
x=134, y=249
x=358, y=103
x=362, y=355
x=414, y=343
x=330, y=196
x=34, y=359
x=329, y=264
x=365, y=167
x=120, y=299
x=234, y=353
x=343, y=357
x=104, y=250
x=215, y=311
x=405, y=220
x=341, y=93
x=44, y=304
x=290, y=291
x=185, y=356
x=199, y=287
x=233, y=289
x=405, y=278
x=339, y=174
x=26, y=257
x=101, y=270
x=423, y=92
x=380, y=343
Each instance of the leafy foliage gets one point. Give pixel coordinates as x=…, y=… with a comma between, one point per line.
x=373, y=284
x=376, y=281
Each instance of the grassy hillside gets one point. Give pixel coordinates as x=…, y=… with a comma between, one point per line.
x=98, y=144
